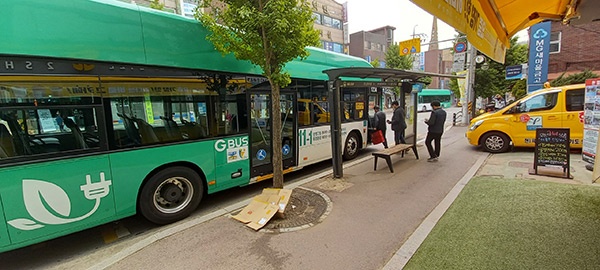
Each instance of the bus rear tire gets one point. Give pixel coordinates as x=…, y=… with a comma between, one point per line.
x=170, y=195
x=351, y=146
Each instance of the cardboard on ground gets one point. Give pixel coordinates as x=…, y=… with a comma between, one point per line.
x=263, y=207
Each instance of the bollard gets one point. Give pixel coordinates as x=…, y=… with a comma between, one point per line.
x=456, y=118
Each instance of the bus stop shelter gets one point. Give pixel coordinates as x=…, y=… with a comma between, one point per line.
x=357, y=77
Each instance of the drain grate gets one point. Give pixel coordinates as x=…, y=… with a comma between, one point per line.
x=305, y=208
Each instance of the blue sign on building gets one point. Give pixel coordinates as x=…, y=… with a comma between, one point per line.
x=539, y=48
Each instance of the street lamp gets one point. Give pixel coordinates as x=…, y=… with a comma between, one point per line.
x=481, y=59
x=413, y=35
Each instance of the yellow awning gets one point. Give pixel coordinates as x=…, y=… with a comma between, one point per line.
x=489, y=24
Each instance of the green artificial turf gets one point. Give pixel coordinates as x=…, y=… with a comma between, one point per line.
x=516, y=224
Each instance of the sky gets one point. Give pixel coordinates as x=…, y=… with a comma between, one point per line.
x=365, y=15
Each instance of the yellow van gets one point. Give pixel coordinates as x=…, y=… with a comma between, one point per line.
x=311, y=111
x=515, y=124
x=318, y=114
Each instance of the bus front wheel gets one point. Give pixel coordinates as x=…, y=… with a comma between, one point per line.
x=170, y=195
x=351, y=146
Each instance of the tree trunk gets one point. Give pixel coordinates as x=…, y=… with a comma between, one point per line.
x=276, y=140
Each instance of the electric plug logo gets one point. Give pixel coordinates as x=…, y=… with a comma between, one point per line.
x=95, y=191
x=39, y=195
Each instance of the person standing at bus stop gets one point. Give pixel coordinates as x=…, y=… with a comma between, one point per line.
x=435, y=130
x=398, y=123
x=379, y=124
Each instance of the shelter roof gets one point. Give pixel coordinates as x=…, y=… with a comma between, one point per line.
x=385, y=74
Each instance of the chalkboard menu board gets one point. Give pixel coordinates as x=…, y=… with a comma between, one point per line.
x=552, y=149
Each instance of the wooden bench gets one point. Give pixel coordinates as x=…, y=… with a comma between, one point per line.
x=388, y=152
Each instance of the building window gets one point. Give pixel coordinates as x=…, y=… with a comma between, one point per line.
x=339, y=48
x=555, y=42
x=337, y=24
x=328, y=21
x=317, y=18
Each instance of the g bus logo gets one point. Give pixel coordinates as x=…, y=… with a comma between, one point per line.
x=223, y=144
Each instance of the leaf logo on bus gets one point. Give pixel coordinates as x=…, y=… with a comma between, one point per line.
x=38, y=195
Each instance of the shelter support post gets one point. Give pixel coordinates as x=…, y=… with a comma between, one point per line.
x=415, y=118
x=336, y=128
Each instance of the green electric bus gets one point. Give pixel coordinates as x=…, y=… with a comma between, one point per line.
x=426, y=96
x=108, y=109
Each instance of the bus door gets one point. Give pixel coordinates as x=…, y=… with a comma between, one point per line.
x=261, y=133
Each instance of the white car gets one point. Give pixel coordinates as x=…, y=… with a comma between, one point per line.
x=423, y=107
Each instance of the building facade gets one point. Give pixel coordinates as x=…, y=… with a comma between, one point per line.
x=329, y=20
x=574, y=49
x=439, y=61
x=372, y=45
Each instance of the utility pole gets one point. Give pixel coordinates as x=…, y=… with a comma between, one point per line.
x=469, y=92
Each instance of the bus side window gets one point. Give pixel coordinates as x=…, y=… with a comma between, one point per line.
x=50, y=130
x=228, y=120
x=315, y=111
x=7, y=147
x=303, y=115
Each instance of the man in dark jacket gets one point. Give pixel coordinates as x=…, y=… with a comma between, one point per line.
x=435, y=130
x=379, y=123
x=398, y=123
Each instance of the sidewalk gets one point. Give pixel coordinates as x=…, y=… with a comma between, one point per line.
x=378, y=219
x=373, y=213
